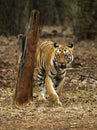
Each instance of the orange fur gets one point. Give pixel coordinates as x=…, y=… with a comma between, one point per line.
x=45, y=55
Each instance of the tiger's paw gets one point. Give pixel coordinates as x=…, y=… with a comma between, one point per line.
x=41, y=98
x=55, y=100
x=58, y=103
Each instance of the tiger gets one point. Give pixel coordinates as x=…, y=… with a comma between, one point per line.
x=51, y=61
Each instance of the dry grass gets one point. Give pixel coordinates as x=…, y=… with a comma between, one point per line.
x=79, y=97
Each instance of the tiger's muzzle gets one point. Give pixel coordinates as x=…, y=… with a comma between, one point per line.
x=62, y=65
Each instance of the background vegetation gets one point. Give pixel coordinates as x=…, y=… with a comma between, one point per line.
x=80, y=15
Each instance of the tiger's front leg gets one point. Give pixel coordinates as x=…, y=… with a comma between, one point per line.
x=51, y=91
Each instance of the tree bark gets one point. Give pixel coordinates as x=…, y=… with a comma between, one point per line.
x=24, y=86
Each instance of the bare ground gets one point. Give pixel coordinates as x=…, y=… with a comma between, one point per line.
x=79, y=96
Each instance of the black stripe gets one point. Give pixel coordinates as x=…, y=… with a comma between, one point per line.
x=40, y=78
x=42, y=70
x=41, y=74
x=40, y=84
x=58, y=79
x=62, y=72
x=52, y=73
x=54, y=62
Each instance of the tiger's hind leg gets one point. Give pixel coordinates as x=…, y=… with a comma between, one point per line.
x=42, y=94
x=60, y=86
x=41, y=84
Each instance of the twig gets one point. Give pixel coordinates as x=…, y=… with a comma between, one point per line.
x=93, y=78
x=82, y=68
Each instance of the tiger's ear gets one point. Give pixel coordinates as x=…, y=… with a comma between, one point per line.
x=56, y=45
x=70, y=45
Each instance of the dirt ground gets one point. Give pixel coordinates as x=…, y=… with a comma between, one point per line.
x=79, y=96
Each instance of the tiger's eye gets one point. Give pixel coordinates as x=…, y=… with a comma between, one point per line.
x=58, y=52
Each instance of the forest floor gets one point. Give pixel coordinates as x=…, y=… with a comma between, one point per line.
x=79, y=96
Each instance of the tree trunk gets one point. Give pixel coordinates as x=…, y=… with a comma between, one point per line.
x=24, y=86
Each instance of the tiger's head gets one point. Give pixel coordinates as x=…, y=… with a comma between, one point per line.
x=63, y=55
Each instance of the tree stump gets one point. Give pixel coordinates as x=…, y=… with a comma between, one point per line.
x=24, y=86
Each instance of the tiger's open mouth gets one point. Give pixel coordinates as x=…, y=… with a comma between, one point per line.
x=63, y=66
x=60, y=65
